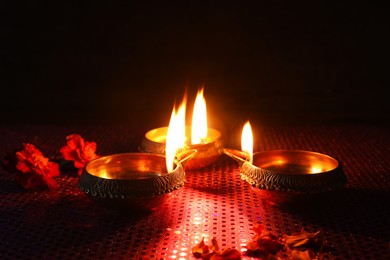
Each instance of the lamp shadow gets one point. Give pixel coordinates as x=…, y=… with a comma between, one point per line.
x=72, y=222
x=10, y=187
x=353, y=211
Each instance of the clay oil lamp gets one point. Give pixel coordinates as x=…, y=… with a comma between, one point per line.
x=138, y=181
x=287, y=172
x=207, y=141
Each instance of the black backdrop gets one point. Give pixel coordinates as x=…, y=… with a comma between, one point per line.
x=125, y=62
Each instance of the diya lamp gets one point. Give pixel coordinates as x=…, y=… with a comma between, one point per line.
x=286, y=171
x=137, y=181
x=207, y=141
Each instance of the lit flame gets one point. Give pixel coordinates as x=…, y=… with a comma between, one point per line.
x=247, y=140
x=199, y=119
x=175, y=134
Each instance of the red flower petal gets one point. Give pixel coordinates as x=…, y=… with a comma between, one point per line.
x=67, y=153
x=229, y=254
x=36, y=170
x=53, y=168
x=301, y=239
x=50, y=182
x=200, y=249
x=79, y=151
x=263, y=243
x=75, y=141
x=302, y=255
x=212, y=252
x=259, y=229
x=214, y=243
x=79, y=164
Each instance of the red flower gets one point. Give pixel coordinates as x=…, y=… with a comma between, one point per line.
x=36, y=170
x=79, y=151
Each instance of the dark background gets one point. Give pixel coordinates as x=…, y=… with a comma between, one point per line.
x=126, y=62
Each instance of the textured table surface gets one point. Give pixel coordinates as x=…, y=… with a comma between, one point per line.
x=215, y=202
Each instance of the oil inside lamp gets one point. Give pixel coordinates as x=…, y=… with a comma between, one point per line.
x=133, y=182
x=286, y=170
x=207, y=141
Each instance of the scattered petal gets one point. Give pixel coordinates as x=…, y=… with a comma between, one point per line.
x=301, y=240
x=212, y=252
x=200, y=249
x=263, y=244
x=35, y=170
x=302, y=255
x=229, y=254
x=79, y=151
x=259, y=229
x=214, y=246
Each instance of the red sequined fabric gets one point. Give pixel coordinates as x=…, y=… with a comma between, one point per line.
x=214, y=202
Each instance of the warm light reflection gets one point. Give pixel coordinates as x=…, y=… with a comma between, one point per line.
x=103, y=174
x=247, y=140
x=199, y=119
x=199, y=230
x=175, y=134
x=279, y=162
x=315, y=169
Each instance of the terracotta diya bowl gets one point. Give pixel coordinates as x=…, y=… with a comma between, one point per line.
x=207, y=152
x=290, y=172
x=132, y=181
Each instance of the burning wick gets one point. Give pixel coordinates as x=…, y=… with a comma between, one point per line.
x=179, y=137
x=247, y=141
x=175, y=135
x=199, y=119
